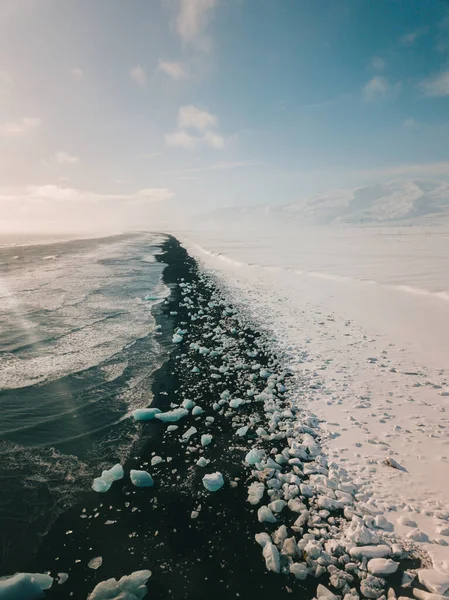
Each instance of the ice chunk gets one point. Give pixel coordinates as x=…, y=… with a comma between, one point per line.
x=263, y=539
x=188, y=404
x=255, y=492
x=382, y=566
x=129, y=587
x=254, y=456
x=156, y=460
x=370, y=551
x=235, y=402
x=24, y=586
x=62, y=578
x=172, y=415
x=145, y=414
x=95, y=563
x=299, y=570
x=141, y=478
x=265, y=515
x=323, y=592
x=202, y=462
x=177, y=339
x=206, y=439
x=435, y=581
x=171, y=428
x=422, y=595
x=188, y=434
x=197, y=410
x=213, y=481
x=103, y=483
x=242, y=431
x=271, y=556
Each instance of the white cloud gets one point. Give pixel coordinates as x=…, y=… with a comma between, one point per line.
x=77, y=73
x=411, y=124
x=378, y=64
x=214, y=139
x=192, y=117
x=21, y=127
x=377, y=87
x=173, y=69
x=412, y=170
x=63, y=158
x=410, y=38
x=57, y=208
x=181, y=139
x=149, y=155
x=436, y=86
x=138, y=75
x=219, y=166
x=193, y=18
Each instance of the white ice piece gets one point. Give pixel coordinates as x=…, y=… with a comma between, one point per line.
x=141, y=478
x=255, y=492
x=206, y=439
x=213, y=481
x=271, y=556
x=435, y=581
x=172, y=415
x=370, y=551
x=95, y=563
x=156, y=460
x=145, y=414
x=254, y=456
x=197, y=410
x=23, y=586
x=129, y=587
x=299, y=570
x=265, y=515
x=103, y=483
x=382, y=566
x=188, y=434
x=202, y=462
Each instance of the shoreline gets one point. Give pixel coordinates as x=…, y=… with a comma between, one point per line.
x=197, y=543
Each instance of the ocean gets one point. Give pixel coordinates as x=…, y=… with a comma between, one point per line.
x=78, y=347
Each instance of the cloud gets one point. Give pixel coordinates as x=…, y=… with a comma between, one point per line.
x=411, y=124
x=62, y=158
x=379, y=87
x=77, y=73
x=219, y=166
x=193, y=18
x=138, y=75
x=173, y=69
x=412, y=169
x=214, y=139
x=192, y=117
x=411, y=37
x=378, y=64
x=21, y=127
x=57, y=208
x=436, y=86
x=149, y=155
x=181, y=139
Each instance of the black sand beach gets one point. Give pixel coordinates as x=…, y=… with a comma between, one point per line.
x=132, y=529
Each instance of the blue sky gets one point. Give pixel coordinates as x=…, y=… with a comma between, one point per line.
x=140, y=105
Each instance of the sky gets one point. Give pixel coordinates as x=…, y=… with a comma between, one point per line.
x=119, y=114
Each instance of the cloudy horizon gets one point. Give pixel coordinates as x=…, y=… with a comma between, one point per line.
x=130, y=114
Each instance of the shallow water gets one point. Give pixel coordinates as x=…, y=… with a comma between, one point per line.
x=78, y=347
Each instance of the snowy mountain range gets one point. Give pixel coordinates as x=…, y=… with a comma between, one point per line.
x=396, y=203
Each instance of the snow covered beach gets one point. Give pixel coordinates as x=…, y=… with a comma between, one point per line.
x=245, y=498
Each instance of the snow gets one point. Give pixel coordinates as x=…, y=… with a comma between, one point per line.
x=145, y=414
x=24, y=586
x=213, y=481
x=141, y=478
x=102, y=484
x=436, y=582
x=172, y=416
x=129, y=587
x=361, y=315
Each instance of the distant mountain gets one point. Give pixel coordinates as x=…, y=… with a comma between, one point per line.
x=395, y=203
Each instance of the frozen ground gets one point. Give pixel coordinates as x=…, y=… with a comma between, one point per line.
x=364, y=316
